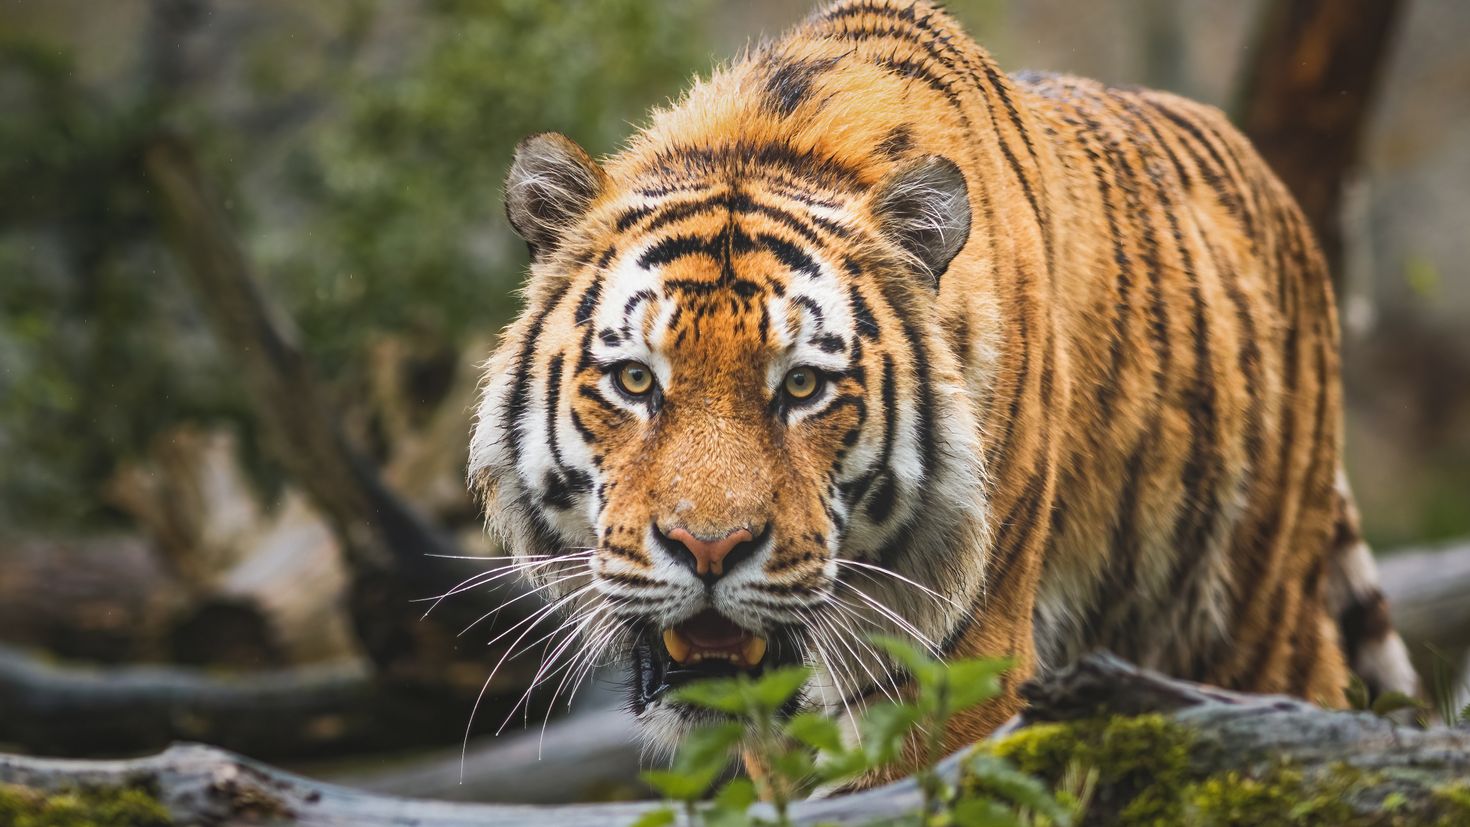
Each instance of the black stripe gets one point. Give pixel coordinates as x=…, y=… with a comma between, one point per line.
x=855, y=490
x=590, y=393
x=790, y=255
x=790, y=82
x=631, y=217
x=588, y=304
x=520, y=390
x=867, y=326
x=830, y=343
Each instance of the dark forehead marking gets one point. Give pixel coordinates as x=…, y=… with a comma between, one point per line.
x=812, y=307
x=897, y=142
x=691, y=167
x=721, y=248
x=790, y=255
x=790, y=82
x=637, y=299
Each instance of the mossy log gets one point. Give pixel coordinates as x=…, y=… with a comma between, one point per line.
x=1171, y=752
x=1161, y=752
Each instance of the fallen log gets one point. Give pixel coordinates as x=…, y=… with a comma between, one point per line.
x=1426, y=592
x=297, y=713
x=587, y=756
x=1199, y=755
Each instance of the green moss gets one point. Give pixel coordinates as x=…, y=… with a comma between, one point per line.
x=1280, y=797
x=1152, y=772
x=90, y=807
x=1454, y=800
x=1121, y=748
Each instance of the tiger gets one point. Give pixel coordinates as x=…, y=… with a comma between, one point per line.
x=863, y=335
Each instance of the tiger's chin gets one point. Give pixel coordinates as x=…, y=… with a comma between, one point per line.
x=704, y=647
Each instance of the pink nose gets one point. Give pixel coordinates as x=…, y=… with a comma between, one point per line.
x=709, y=555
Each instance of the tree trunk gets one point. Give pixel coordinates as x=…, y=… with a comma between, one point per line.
x=1306, y=92
x=394, y=556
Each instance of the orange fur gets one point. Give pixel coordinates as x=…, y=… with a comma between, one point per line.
x=1135, y=349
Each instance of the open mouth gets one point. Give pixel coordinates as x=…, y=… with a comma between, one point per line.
x=707, y=645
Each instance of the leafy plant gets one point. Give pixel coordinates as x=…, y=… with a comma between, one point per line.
x=791, y=754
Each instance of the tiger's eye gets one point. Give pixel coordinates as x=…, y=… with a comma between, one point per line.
x=801, y=383
x=635, y=378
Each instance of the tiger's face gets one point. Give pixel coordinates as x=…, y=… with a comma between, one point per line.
x=723, y=437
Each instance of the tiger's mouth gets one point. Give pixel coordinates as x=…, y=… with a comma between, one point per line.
x=707, y=645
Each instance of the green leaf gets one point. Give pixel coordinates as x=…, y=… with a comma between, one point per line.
x=778, y=686
x=1357, y=694
x=728, y=809
x=844, y=766
x=884, y=727
x=728, y=695
x=709, y=747
x=1390, y=702
x=737, y=794
x=996, y=775
x=982, y=812
x=723, y=817
x=816, y=731
x=974, y=681
x=679, y=786
x=1464, y=714
x=925, y=669
x=795, y=765
x=662, y=817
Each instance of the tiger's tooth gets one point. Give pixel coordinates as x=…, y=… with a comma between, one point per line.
x=677, y=647
x=755, y=649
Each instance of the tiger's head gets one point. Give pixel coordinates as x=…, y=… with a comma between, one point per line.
x=727, y=433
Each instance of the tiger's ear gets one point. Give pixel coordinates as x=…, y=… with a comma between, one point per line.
x=924, y=207
x=551, y=183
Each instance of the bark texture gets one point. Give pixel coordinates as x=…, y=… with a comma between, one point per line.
x=1306, y=95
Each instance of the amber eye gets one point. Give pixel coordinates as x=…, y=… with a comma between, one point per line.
x=801, y=383
x=634, y=378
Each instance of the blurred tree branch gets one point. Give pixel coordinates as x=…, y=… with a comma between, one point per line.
x=394, y=556
x=1305, y=97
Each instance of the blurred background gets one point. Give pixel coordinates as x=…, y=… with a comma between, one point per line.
x=252, y=250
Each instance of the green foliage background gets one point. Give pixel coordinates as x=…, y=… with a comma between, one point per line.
x=377, y=214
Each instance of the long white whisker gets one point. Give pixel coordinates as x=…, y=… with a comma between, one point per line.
x=542, y=674
x=601, y=633
x=842, y=641
x=841, y=695
x=846, y=617
x=518, y=598
x=891, y=615
x=485, y=578
x=497, y=558
x=537, y=617
x=891, y=573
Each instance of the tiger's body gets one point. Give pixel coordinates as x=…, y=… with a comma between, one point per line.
x=1077, y=364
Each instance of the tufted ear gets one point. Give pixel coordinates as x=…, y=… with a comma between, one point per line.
x=924, y=207
x=551, y=183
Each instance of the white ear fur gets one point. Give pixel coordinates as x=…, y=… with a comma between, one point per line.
x=551, y=184
x=924, y=207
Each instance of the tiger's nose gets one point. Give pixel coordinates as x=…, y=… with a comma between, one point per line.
x=709, y=558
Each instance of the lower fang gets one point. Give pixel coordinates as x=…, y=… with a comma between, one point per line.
x=677, y=647
x=755, y=649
